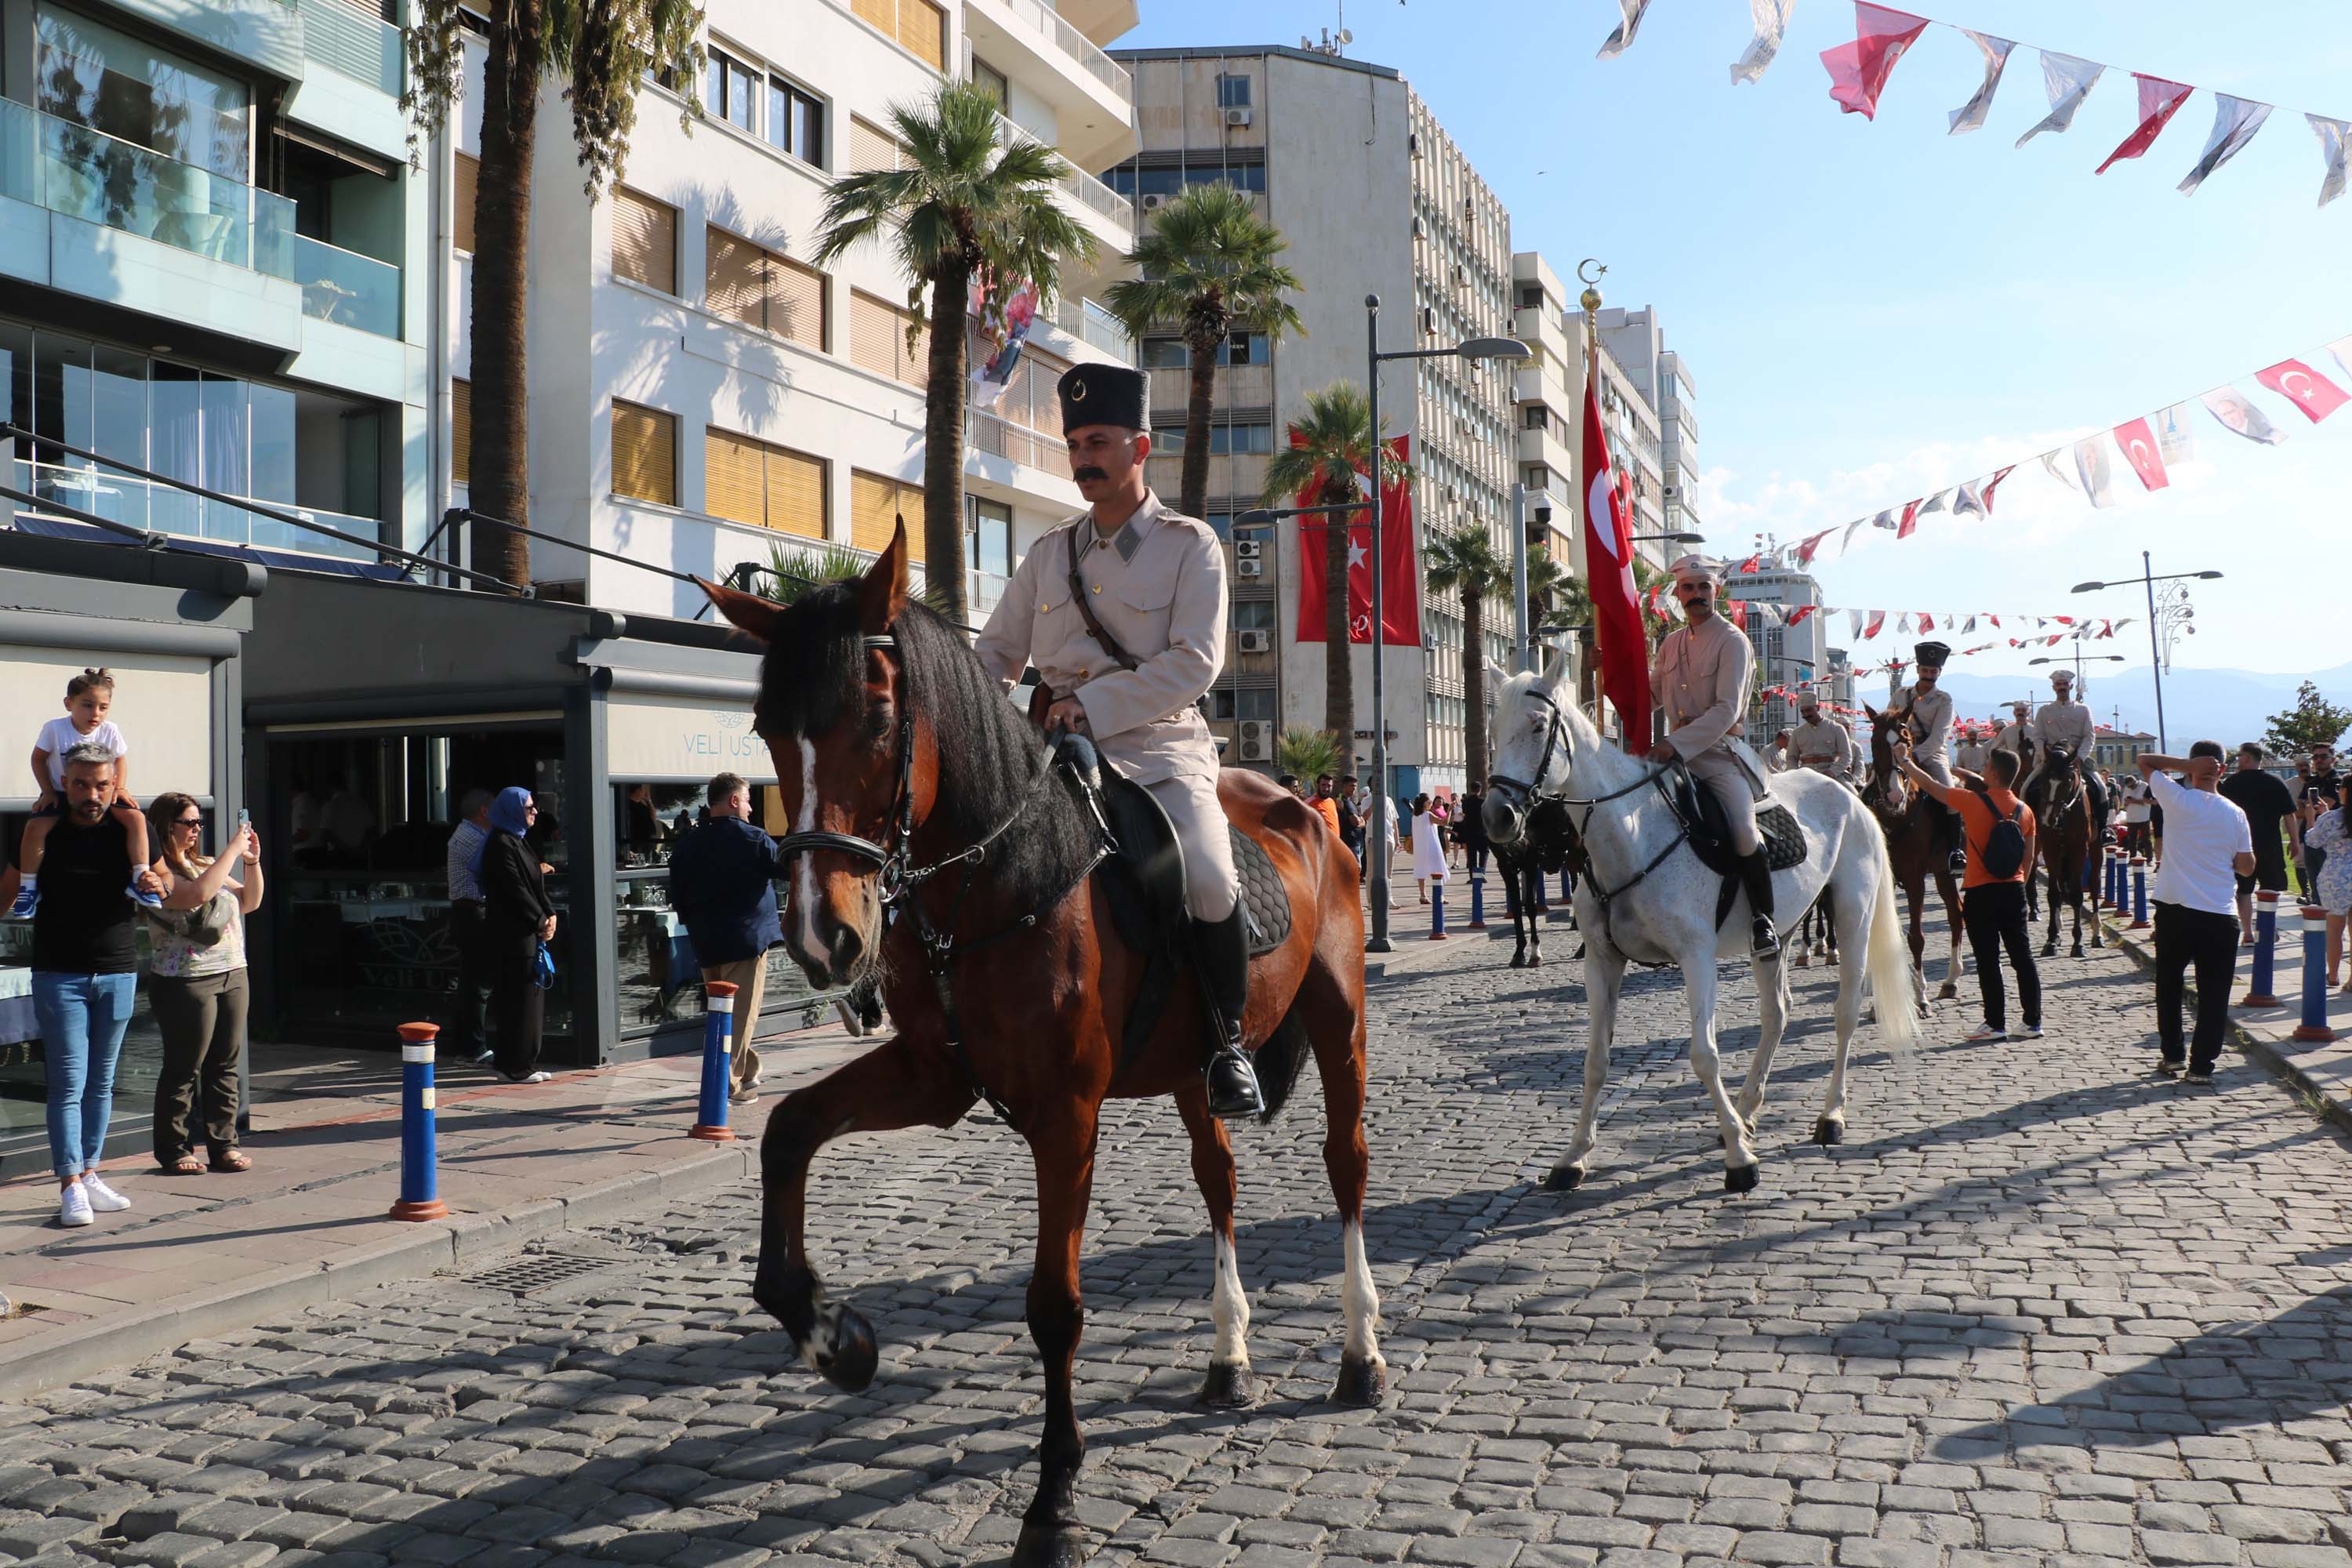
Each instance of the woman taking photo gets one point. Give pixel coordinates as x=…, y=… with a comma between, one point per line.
x=516, y=920
x=197, y=985
x=1429, y=818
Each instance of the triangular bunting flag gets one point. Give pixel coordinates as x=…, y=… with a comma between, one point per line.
x=1971, y=114
x=1797, y=617
x=2332, y=134
x=2342, y=351
x=1970, y=627
x=1854, y=624
x=2229, y=405
x=1935, y=502
x=2069, y=81
x=1903, y=622
x=1771, y=19
x=2173, y=442
x=2160, y=100
x=2235, y=122
x=2049, y=461
x=1969, y=503
x=2139, y=444
x=1926, y=622
x=2305, y=387
x=1910, y=521
x=1878, y=619
x=1993, y=484
x=1806, y=547
x=1858, y=70
x=1619, y=41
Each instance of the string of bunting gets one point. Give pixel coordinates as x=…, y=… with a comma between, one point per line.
x=1865, y=625
x=2150, y=447
x=1859, y=70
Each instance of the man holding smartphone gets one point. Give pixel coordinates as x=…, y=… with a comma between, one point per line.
x=2319, y=790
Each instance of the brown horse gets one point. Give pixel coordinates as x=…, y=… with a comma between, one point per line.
x=1915, y=847
x=918, y=792
x=2067, y=833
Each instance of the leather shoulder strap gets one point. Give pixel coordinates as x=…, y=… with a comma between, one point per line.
x=1079, y=597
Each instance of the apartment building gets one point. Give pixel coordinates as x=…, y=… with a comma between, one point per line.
x=702, y=394
x=1639, y=342
x=1321, y=140
x=1786, y=655
x=211, y=267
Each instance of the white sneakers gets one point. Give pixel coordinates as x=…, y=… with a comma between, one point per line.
x=73, y=1205
x=102, y=1198
x=79, y=1204
x=1984, y=1032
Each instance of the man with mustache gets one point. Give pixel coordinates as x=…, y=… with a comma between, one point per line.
x=1122, y=611
x=1927, y=712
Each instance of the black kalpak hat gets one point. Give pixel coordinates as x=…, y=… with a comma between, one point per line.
x=1097, y=394
x=1934, y=655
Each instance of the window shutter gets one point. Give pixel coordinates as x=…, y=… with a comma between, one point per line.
x=645, y=453
x=874, y=335
x=871, y=148
x=461, y=202
x=922, y=31
x=874, y=507
x=796, y=302
x=645, y=240
x=796, y=493
x=733, y=486
x=880, y=13
x=736, y=278
x=461, y=432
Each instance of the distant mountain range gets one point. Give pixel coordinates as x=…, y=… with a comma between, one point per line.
x=2225, y=705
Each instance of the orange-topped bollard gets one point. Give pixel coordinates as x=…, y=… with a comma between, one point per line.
x=419, y=1182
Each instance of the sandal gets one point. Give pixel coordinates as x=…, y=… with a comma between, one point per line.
x=234, y=1161
x=185, y=1165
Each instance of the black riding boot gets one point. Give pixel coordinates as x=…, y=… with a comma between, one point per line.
x=1222, y=953
x=1955, y=841
x=1756, y=879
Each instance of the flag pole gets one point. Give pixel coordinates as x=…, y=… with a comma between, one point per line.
x=1591, y=301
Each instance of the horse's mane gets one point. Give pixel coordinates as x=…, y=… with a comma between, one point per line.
x=988, y=754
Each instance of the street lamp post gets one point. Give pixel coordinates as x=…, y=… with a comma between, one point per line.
x=2155, y=650
x=1377, y=840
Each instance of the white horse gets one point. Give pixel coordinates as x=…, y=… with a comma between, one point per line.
x=1646, y=897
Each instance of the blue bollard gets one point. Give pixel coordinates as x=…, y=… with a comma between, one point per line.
x=419, y=1186
x=1437, y=911
x=717, y=1031
x=2114, y=899
x=2140, y=892
x=2257, y=988
x=1477, y=901
x=2314, y=1025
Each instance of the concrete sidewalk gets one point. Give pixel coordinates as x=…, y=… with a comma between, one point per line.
x=2320, y=1069
x=197, y=1255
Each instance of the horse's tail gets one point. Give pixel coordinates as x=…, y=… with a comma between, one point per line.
x=1890, y=964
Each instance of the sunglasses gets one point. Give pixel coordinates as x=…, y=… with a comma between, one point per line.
x=189, y=822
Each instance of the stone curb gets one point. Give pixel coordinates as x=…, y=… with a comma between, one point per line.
x=461, y=1241
x=2333, y=1107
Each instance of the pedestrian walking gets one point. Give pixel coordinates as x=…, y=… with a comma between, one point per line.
x=469, y=1026
x=1350, y=801
x=2196, y=902
x=2137, y=808
x=1470, y=825
x=2268, y=803
x=1997, y=833
x=196, y=985
x=722, y=882
x=1428, y=843
x=518, y=924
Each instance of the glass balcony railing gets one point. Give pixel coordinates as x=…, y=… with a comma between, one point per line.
x=1084, y=320
x=87, y=175
x=138, y=503
x=1077, y=45
x=347, y=289
x=1089, y=190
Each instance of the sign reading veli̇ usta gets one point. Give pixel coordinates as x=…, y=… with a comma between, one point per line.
x=656, y=738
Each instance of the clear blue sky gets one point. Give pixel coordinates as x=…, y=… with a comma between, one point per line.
x=1875, y=310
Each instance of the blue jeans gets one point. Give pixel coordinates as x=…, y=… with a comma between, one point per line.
x=82, y=1019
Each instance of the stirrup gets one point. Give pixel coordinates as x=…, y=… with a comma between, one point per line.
x=1233, y=1084
x=1765, y=939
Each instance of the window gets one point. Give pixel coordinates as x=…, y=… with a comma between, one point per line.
x=1247, y=348
x=1168, y=179
x=988, y=76
x=727, y=89
x=1233, y=93
x=795, y=122
x=645, y=240
x=744, y=480
x=919, y=27
x=877, y=502
x=1165, y=353
x=1248, y=440
x=878, y=342
x=1534, y=416
x=988, y=536
x=645, y=453
x=89, y=75
x=1252, y=614
x=461, y=432
x=1532, y=297
x=469, y=171
x=762, y=289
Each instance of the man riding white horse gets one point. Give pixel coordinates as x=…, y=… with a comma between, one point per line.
x=1926, y=708
x=1819, y=746
x=2064, y=721
x=1701, y=683
x=1127, y=646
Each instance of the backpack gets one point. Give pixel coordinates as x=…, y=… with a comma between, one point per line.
x=2004, y=848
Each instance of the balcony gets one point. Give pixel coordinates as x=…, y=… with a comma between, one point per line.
x=988, y=436
x=139, y=503
x=346, y=288
x=1100, y=209
x=1091, y=95
x=1090, y=323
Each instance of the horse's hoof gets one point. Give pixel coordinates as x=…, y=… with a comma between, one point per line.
x=1230, y=1385
x=1049, y=1546
x=1535, y=960
x=1801, y=962
x=1946, y=991
x=1361, y=1382
x=2050, y=949
x=1565, y=1178
x=1741, y=1178
x=1518, y=960
x=1828, y=1130
x=2078, y=949
x=843, y=1348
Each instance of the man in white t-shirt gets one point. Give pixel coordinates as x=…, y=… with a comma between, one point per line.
x=2207, y=846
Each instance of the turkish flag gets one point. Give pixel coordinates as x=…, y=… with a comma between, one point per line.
x=1805, y=550
x=1797, y=616
x=1878, y=619
x=1754, y=563
x=1926, y=622
x=1400, y=578
x=1623, y=645
x=2160, y=100
x=2139, y=448
x=1910, y=521
x=1993, y=484
x=1858, y=70
x=1738, y=612
x=2305, y=387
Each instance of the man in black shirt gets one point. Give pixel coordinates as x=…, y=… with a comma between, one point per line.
x=2318, y=789
x=2266, y=803
x=85, y=974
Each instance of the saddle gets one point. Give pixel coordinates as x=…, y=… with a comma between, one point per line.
x=1710, y=835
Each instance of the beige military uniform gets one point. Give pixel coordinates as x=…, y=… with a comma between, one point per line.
x=1825, y=748
x=2063, y=724
x=2015, y=736
x=1930, y=730
x=1700, y=681
x=1971, y=756
x=1158, y=585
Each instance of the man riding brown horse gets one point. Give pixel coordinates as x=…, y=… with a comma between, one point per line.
x=1122, y=611
x=1926, y=709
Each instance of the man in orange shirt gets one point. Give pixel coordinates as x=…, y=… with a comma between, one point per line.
x=1997, y=831
x=1326, y=805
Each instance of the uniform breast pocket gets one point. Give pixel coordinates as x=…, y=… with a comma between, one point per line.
x=1146, y=605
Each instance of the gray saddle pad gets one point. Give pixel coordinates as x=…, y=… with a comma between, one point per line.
x=1266, y=904
x=1784, y=841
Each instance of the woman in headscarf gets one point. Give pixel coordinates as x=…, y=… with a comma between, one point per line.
x=516, y=919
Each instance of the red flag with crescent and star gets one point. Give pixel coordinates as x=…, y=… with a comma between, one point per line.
x=2305, y=387
x=1858, y=70
x=1623, y=646
x=1993, y=484
x=1910, y=521
x=2138, y=442
x=2160, y=100
x=1399, y=581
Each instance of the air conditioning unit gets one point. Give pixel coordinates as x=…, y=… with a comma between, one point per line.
x=1235, y=118
x=1420, y=227
x=1152, y=203
x=1429, y=320
x=1257, y=739
x=1413, y=142
x=1249, y=566
x=1248, y=549
x=1255, y=641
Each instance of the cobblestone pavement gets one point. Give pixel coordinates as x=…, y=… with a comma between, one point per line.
x=2041, y=1307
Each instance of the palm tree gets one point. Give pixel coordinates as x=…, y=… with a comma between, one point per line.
x=1329, y=450
x=961, y=204
x=1210, y=263
x=601, y=50
x=1311, y=754
x=1464, y=562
